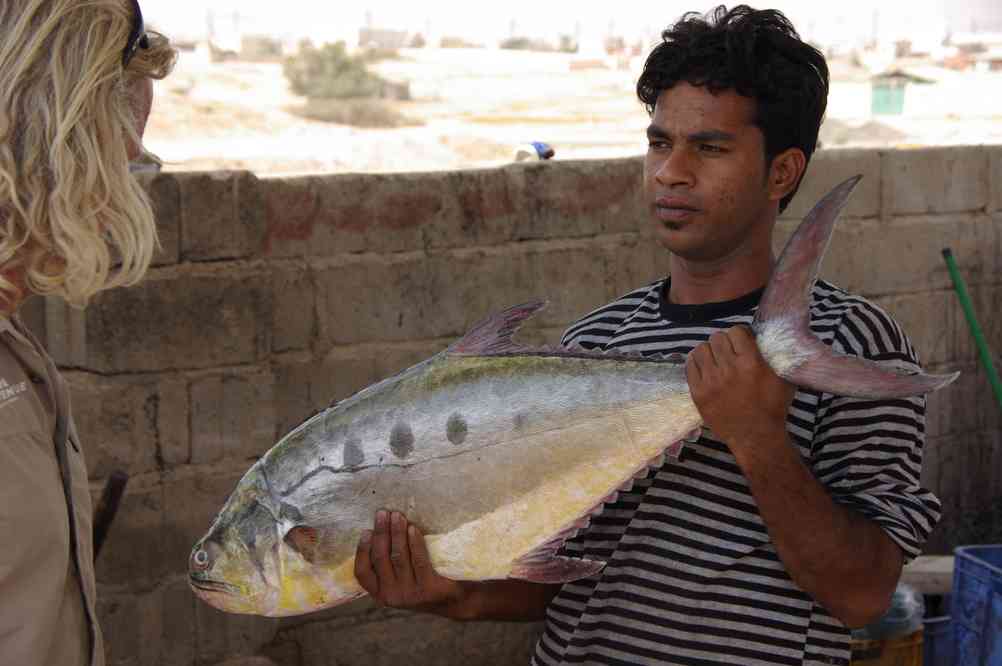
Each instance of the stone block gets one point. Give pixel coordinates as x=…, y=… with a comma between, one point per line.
x=65, y=332
x=631, y=263
x=154, y=626
x=224, y=636
x=905, y=256
x=117, y=419
x=232, y=416
x=416, y=639
x=578, y=198
x=442, y=295
x=485, y=208
x=32, y=314
x=191, y=504
x=173, y=418
x=179, y=322
x=929, y=319
x=294, y=299
x=935, y=180
x=995, y=177
x=222, y=215
x=133, y=552
x=323, y=216
x=954, y=410
x=165, y=197
x=827, y=169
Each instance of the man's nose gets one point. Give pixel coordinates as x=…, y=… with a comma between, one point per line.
x=676, y=169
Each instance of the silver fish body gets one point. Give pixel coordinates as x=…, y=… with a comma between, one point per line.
x=498, y=452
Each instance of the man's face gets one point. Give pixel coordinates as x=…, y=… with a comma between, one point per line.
x=705, y=174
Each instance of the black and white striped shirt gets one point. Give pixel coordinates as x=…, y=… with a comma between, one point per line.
x=692, y=576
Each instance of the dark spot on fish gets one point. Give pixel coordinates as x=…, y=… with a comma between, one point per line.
x=402, y=440
x=456, y=429
x=353, y=454
x=521, y=420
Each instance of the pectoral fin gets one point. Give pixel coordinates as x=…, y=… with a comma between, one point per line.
x=312, y=543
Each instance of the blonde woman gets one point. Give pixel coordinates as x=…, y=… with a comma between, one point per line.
x=75, y=92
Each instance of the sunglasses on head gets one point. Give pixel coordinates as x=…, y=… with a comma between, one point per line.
x=137, y=36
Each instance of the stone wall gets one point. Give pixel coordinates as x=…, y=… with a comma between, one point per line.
x=270, y=298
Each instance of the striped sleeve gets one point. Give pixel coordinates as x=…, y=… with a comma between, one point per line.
x=868, y=453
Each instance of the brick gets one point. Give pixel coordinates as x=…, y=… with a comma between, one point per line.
x=65, y=332
x=223, y=636
x=949, y=411
x=133, y=552
x=995, y=177
x=32, y=314
x=935, y=180
x=859, y=259
x=231, y=416
x=443, y=295
x=190, y=506
x=149, y=627
x=173, y=435
x=579, y=198
x=294, y=299
x=165, y=197
x=930, y=320
x=117, y=422
x=324, y=216
x=827, y=169
x=222, y=215
x=194, y=321
x=418, y=639
x=485, y=207
x=632, y=263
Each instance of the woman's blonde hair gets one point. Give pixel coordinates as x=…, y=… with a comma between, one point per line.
x=73, y=220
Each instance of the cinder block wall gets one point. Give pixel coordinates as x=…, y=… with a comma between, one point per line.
x=270, y=298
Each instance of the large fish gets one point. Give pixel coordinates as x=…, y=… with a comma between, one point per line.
x=497, y=451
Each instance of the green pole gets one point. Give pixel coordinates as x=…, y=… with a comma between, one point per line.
x=972, y=322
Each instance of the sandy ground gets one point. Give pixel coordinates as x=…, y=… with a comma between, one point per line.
x=476, y=107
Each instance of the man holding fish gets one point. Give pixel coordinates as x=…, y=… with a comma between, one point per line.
x=789, y=518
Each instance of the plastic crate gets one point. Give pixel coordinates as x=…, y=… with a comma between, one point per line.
x=976, y=606
x=937, y=642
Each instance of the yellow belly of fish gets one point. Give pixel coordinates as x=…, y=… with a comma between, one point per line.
x=487, y=547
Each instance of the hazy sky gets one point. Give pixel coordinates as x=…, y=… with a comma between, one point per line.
x=825, y=21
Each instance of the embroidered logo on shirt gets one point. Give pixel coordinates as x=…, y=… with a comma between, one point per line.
x=9, y=392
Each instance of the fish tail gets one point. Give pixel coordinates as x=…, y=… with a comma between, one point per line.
x=782, y=323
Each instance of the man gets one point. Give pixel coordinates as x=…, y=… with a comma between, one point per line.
x=789, y=520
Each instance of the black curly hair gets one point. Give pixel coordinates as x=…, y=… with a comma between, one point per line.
x=756, y=53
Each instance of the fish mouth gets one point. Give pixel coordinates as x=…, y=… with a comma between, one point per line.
x=218, y=586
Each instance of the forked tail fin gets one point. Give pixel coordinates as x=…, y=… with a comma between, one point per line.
x=782, y=323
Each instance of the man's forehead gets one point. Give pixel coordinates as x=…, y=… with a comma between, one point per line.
x=696, y=108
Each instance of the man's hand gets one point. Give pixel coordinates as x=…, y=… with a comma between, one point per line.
x=392, y=564
x=738, y=395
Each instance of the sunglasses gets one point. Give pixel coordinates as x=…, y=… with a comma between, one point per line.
x=137, y=37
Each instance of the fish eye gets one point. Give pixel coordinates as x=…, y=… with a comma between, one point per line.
x=200, y=560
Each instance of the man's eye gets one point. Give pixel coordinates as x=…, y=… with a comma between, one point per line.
x=710, y=148
x=657, y=144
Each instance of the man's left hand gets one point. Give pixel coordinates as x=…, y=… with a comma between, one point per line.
x=738, y=395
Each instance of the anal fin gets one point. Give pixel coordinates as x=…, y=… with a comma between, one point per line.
x=556, y=569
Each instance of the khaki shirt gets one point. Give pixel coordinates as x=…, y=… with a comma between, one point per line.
x=47, y=589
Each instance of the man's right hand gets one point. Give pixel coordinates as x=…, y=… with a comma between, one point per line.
x=392, y=564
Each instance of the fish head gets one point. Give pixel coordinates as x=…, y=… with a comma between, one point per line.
x=236, y=566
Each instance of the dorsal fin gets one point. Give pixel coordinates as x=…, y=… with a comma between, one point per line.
x=493, y=335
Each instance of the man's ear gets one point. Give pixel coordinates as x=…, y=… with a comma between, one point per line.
x=785, y=172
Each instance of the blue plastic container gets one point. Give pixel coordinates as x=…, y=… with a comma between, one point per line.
x=937, y=642
x=976, y=606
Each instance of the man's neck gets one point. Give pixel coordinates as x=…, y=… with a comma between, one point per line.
x=695, y=283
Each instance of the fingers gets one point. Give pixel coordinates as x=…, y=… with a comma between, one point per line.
x=364, y=572
x=424, y=572
x=379, y=554
x=400, y=552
